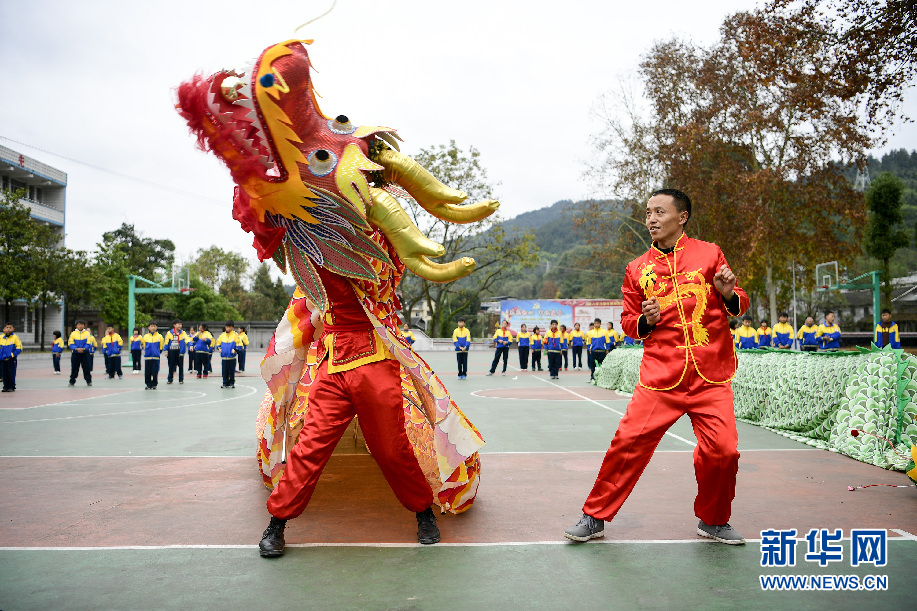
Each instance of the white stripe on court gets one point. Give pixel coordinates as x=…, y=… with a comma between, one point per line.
x=139, y=411
x=611, y=409
x=403, y=545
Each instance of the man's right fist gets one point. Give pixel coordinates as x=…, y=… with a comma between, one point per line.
x=651, y=311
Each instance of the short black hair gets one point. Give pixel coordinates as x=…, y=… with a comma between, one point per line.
x=763, y=321
x=229, y=323
x=80, y=322
x=733, y=324
x=204, y=327
x=176, y=322
x=56, y=334
x=553, y=321
x=886, y=311
x=136, y=329
x=747, y=317
x=461, y=319
x=829, y=312
x=563, y=326
x=242, y=329
x=598, y=320
x=784, y=314
x=682, y=201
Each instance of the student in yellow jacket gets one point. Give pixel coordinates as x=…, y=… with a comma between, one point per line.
x=10, y=347
x=524, y=339
x=577, y=341
x=153, y=343
x=79, y=344
x=111, y=348
x=228, y=345
x=461, y=339
x=57, y=349
x=243, y=347
x=177, y=343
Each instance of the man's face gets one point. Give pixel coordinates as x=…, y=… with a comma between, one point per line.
x=783, y=319
x=461, y=324
x=80, y=326
x=7, y=329
x=228, y=328
x=109, y=330
x=663, y=220
x=152, y=328
x=178, y=326
x=886, y=317
x=746, y=323
x=553, y=326
x=810, y=321
x=576, y=326
x=830, y=319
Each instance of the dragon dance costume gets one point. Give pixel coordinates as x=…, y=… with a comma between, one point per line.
x=317, y=193
x=688, y=362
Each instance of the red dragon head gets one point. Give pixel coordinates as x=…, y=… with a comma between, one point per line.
x=312, y=189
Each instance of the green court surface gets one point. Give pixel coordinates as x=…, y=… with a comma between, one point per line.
x=121, y=498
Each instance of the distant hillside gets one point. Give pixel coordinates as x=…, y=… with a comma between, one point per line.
x=555, y=229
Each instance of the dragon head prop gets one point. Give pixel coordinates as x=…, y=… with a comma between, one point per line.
x=316, y=190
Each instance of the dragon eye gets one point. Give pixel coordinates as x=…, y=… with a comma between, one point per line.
x=341, y=125
x=321, y=162
x=267, y=80
x=229, y=88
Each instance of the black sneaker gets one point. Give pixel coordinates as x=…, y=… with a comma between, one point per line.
x=88, y=383
x=427, y=531
x=724, y=534
x=272, y=542
x=587, y=528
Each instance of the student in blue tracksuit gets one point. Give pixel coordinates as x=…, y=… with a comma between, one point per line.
x=808, y=336
x=176, y=346
x=784, y=333
x=406, y=334
x=553, y=344
x=746, y=336
x=502, y=339
x=57, y=348
x=79, y=345
x=829, y=334
x=598, y=347
x=537, y=345
x=203, y=346
x=10, y=347
x=136, y=350
x=111, y=348
x=887, y=331
x=228, y=345
x=153, y=343
x=461, y=339
x=765, y=335
x=576, y=344
x=524, y=339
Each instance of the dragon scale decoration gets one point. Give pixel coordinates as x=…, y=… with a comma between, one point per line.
x=317, y=194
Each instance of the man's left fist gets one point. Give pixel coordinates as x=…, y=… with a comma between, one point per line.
x=725, y=282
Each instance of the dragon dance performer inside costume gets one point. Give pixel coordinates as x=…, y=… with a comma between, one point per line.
x=670, y=303
x=357, y=376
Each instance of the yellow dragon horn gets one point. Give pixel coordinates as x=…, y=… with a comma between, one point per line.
x=413, y=247
x=432, y=195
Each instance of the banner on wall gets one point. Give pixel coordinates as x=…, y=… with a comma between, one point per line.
x=540, y=312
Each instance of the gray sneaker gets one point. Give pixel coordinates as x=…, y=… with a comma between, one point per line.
x=724, y=534
x=587, y=528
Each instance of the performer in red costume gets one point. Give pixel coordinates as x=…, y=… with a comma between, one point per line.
x=357, y=376
x=677, y=299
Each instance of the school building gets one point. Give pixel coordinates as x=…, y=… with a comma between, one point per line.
x=46, y=197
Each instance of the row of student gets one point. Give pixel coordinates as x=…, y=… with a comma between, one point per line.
x=810, y=337
x=149, y=347
x=557, y=342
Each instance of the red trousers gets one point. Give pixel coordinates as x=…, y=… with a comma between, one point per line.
x=374, y=393
x=649, y=415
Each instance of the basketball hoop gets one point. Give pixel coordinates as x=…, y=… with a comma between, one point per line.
x=185, y=290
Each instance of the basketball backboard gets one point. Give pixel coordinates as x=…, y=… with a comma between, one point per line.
x=826, y=276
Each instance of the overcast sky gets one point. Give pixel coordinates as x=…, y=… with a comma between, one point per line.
x=94, y=80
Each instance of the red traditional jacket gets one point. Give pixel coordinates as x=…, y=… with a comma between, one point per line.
x=693, y=330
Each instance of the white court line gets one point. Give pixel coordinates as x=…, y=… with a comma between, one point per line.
x=116, y=392
x=474, y=393
x=611, y=409
x=246, y=457
x=402, y=545
x=139, y=411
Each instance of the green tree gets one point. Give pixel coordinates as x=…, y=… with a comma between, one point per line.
x=267, y=300
x=22, y=243
x=111, y=293
x=216, y=267
x=203, y=303
x=498, y=253
x=149, y=258
x=884, y=232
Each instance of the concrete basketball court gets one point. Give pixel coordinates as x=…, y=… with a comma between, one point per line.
x=119, y=498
